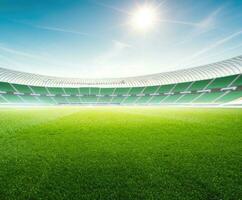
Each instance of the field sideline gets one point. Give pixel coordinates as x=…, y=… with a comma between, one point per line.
x=120, y=153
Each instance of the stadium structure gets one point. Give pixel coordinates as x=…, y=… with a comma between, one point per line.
x=217, y=84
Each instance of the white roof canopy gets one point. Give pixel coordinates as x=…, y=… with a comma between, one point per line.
x=220, y=69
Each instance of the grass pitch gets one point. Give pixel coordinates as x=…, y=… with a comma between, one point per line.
x=120, y=153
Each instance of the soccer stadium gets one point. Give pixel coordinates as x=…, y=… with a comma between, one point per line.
x=120, y=100
x=217, y=84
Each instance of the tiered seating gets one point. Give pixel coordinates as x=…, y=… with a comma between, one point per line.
x=84, y=91
x=15, y=99
x=107, y=91
x=56, y=91
x=47, y=100
x=130, y=100
x=199, y=85
x=238, y=81
x=143, y=100
x=171, y=98
x=61, y=100
x=157, y=99
x=39, y=90
x=22, y=88
x=208, y=97
x=222, y=82
x=166, y=88
x=105, y=99
x=136, y=90
x=89, y=99
x=188, y=98
x=117, y=100
x=71, y=91
x=30, y=99
x=2, y=100
x=219, y=90
x=230, y=96
x=181, y=87
x=94, y=91
x=151, y=90
x=6, y=87
x=121, y=91
x=73, y=99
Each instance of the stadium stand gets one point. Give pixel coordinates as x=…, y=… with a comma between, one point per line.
x=218, y=84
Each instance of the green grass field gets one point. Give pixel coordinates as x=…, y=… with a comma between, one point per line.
x=120, y=153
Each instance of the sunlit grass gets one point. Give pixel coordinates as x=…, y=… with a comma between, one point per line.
x=120, y=153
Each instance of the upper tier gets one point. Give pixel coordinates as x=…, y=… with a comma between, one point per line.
x=219, y=69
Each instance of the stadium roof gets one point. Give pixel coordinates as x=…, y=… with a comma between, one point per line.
x=219, y=69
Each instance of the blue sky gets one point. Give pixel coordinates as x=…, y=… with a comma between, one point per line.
x=93, y=38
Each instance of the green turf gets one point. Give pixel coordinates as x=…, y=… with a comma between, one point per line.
x=120, y=153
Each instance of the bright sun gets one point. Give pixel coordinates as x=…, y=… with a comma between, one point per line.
x=144, y=18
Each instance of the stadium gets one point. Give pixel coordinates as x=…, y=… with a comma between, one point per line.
x=120, y=100
x=217, y=84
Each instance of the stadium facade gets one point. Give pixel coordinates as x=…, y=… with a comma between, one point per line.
x=217, y=84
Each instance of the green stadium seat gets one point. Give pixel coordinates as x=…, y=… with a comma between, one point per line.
x=30, y=99
x=188, y=98
x=105, y=99
x=13, y=98
x=156, y=99
x=230, y=96
x=6, y=87
x=22, y=88
x=94, y=91
x=238, y=81
x=151, y=90
x=39, y=90
x=84, y=91
x=136, y=90
x=47, y=100
x=180, y=87
x=61, y=100
x=130, y=100
x=117, y=99
x=73, y=99
x=199, y=85
x=166, y=88
x=222, y=82
x=2, y=99
x=71, y=91
x=172, y=98
x=121, y=91
x=107, y=91
x=89, y=99
x=208, y=97
x=143, y=100
x=56, y=91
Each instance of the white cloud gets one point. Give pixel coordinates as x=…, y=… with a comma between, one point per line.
x=17, y=52
x=61, y=30
x=205, y=25
x=116, y=50
x=211, y=47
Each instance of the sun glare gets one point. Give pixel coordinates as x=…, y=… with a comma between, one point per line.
x=144, y=18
